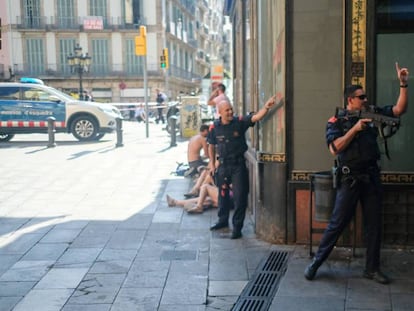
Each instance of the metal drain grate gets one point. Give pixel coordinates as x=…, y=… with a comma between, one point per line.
x=259, y=292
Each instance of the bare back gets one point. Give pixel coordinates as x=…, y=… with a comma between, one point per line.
x=195, y=145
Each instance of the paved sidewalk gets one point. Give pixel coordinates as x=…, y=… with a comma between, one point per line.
x=85, y=226
x=339, y=284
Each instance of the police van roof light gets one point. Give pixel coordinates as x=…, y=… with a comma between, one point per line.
x=31, y=80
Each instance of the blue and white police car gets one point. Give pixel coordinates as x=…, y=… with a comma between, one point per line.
x=26, y=106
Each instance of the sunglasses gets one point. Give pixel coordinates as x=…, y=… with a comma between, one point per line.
x=361, y=97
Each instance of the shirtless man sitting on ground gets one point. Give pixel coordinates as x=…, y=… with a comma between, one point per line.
x=195, y=145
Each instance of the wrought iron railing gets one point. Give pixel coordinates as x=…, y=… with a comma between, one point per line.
x=71, y=22
x=56, y=71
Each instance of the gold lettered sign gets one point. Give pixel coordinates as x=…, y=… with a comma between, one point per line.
x=358, y=39
x=271, y=157
x=300, y=176
x=396, y=178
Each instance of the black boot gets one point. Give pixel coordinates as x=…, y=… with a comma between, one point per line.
x=377, y=276
x=310, y=270
x=219, y=225
x=236, y=234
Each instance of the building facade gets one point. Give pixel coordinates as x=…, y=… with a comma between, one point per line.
x=305, y=52
x=39, y=35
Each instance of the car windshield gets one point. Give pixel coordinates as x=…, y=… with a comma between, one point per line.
x=59, y=93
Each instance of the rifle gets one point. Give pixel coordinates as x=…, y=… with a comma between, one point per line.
x=387, y=126
x=379, y=120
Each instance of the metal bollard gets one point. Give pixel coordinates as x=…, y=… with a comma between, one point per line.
x=173, y=124
x=51, y=131
x=119, y=133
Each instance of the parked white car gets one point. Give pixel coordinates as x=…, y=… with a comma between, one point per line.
x=26, y=107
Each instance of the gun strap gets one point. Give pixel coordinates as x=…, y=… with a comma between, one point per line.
x=381, y=131
x=386, y=149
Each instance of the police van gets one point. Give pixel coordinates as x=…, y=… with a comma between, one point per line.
x=25, y=108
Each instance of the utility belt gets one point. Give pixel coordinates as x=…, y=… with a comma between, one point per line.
x=349, y=170
x=232, y=160
x=345, y=173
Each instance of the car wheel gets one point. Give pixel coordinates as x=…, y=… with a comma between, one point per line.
x=84, y=128
x=6, y=137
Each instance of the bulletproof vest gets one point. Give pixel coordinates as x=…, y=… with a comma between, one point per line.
x=159, y=99
x=363, y=149
x=231, y=140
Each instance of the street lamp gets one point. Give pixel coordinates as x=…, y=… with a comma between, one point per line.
x=79, y=63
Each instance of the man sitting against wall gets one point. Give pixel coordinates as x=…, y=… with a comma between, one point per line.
x=195, y=145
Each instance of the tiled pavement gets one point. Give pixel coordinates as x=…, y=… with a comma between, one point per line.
x=86, y=227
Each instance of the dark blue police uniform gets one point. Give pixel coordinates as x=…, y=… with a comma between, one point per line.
x=231, y=145
x=360, y=180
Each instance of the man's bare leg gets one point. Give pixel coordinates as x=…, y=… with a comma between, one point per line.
x=208, y=194
x=195, y=190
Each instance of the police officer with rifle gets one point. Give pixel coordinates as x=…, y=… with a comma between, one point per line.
x=353, y=140
x=387, y=126
x=227, y=144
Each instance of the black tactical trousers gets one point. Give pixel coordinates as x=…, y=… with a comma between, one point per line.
x=236, y=175
x=160, y=116
x=367, y=189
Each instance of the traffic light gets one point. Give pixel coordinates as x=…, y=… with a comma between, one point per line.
x=141, y=42
x=162, y=62
x=140, y=46
x=165, y=53
x=164, y=59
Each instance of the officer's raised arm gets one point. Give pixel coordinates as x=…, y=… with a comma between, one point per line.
x=401, y=105
x=265, y=109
